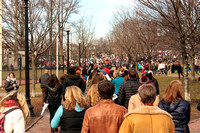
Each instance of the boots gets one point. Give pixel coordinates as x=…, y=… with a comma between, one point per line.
x=52, y=130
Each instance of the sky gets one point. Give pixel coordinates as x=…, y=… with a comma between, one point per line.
x=102, y=12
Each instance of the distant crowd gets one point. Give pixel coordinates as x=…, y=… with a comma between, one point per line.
x=104, y=99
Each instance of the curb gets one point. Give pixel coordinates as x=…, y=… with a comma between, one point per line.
x=32, y=124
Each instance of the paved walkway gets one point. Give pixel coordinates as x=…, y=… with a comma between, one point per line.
x=43, y=125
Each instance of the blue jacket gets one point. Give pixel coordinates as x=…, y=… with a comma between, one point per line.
x=117, y=82
x=180, y=112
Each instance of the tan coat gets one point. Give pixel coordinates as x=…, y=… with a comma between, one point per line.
x=147, y=119
x=105, y=117
x=135, y=102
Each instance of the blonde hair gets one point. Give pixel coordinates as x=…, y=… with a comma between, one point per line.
x=93, y=96
x=20, y=99
x=74, y=95
x=173, y=92
x=116, y=74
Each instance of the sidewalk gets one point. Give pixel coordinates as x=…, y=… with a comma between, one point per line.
x=43, y=125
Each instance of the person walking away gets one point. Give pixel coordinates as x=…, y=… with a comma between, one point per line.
x=73, y=79
x=147, y=118
x=106, y=116
x=92, y=96
x=15, y=120
x=70, y=114
x=53, y=95
x=11, y=83
x=173, y=102
x=128, y=89
x=43, y=81
x=117, y=81
x=180, y=70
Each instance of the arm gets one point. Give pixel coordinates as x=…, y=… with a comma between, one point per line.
x=85, y=126
x=56, y=119
x=18, y=122
x=126, y=127
x=172, y=126
x=131, y=104
x=8, y=87
x=45, y=95
x=120, y=99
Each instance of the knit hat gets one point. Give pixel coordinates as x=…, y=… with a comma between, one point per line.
x=144, y=80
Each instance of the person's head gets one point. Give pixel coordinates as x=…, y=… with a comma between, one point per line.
x=106, y=89
x=173, y=92
x=53, y=80
x=132, y=73
x=18, y=98
x=62, y=78
x=12, y=75
x=46, y=71
x=101, y=67
x=73, y=96
x=147, y=93
x=72, y=71
x=97, y=77
x=92, y=95
x=116, y=74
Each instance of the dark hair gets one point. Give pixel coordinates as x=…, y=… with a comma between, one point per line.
x=106, y=89
x=12, y=74
x=53, y=80
x=132, y=73
x=72, y=71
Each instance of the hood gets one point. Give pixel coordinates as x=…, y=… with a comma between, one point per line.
x=169, y=107
x=74, y=77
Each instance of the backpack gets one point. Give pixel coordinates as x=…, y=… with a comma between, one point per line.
x=2, y=117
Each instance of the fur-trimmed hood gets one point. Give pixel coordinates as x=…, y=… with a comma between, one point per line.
x=147, y=110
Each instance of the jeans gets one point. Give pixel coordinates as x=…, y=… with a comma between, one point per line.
x=52, y=109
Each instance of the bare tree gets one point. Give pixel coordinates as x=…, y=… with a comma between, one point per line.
x=183, y=18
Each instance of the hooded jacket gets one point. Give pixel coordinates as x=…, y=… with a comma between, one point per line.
x=147, y=119
x=74, y=80
x=53, y=94
x=180, y=112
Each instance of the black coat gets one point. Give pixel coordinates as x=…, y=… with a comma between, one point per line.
x=73, y=80
x=180, y=112
x=53, y=94
x=9, y=85
x=71, y=121
x=126, y=90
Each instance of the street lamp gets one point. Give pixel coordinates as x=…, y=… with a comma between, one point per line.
x=68, y=30
x=27, y=60
x=79, y=60
x=85, y=56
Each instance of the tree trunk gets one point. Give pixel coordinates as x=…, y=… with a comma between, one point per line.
x=33, y=76
x=186, y=83
x=193, y=65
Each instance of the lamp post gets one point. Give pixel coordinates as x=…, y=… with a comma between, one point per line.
x=68, y=30
x=85, y=56
x=27, y=60
x=79, y=58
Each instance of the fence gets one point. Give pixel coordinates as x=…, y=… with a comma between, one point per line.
x=16, y=63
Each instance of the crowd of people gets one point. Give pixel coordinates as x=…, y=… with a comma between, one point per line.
x=104, y=98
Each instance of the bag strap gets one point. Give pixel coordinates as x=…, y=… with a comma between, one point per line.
x=10, y=110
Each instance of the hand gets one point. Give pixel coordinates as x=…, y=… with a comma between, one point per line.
x=44, y=103
x=14, y=85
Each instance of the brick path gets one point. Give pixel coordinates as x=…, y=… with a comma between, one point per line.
x=43, y=125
